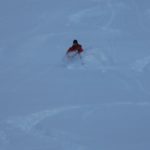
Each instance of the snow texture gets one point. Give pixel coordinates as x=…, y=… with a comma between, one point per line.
x=97, y=101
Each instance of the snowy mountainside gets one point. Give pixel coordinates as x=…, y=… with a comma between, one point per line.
x=100, y=101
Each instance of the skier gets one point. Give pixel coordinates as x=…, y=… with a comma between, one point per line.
x=76, y=48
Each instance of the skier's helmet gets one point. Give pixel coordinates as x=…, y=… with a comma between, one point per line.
x=75, y=42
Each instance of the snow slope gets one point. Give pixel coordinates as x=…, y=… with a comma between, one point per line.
x=99, y=102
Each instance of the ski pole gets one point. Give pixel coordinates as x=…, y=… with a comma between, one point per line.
x=81, y=59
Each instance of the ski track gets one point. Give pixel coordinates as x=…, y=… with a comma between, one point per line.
x=141, y=64
x=27, y=123
x=108, y=12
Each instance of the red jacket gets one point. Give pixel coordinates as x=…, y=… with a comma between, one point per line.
x=75, y=48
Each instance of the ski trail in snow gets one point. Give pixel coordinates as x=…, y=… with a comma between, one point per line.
x=98, y=12
x=108, y=24
x=141, y=64
x=28, y=122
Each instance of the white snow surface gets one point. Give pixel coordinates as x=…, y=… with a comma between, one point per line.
x=98, y=102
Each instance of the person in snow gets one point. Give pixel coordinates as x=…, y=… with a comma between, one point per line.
x=76, y=48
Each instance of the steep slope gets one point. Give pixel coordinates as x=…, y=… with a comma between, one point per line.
x=99, y=102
